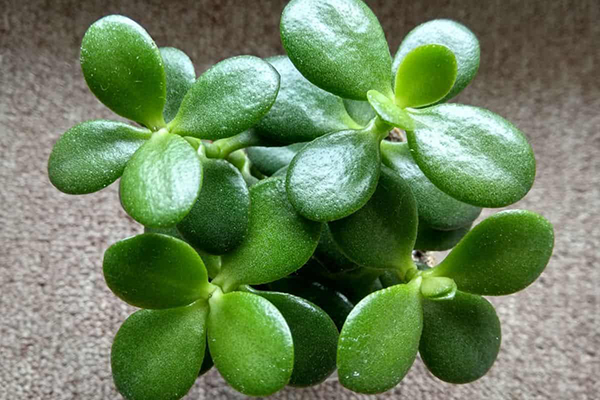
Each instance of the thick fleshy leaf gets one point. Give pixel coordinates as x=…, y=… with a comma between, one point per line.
x=157, y=353
x=436, y=209
x=360, y=111
x=461, y=337
x=472, y=154
x=278, y=242
x=380, y=339
x=457, y=37
x=334, y=175
x=155, y=271
x=269, y=160
x=425, y=76
x=92, y=155
x=180, y=75
x=229, y=98
x=218, y=221
x=314, y=334
x=502, y=255
x=250, y=343
x=161, y=182
x=123, y=68
x=338, y=45
x=382, y=233
x=388, y=111
x=438, y=288
x=302, y=111
x=429, y=239
x=330, y=255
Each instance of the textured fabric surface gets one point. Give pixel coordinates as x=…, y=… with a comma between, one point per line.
x=539, y=68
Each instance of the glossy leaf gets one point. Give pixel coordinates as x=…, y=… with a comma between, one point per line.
x=334, y=175
x=338, y=45
x=457, y=37
x=461, y=337
x=279, y=240
x=436, y=209
x=180, y=76
x=218, y=221
x=360, y=111
x=161, y=182
x=388, y=111
x=250, y=343
x=429, y=239
x=380, y=339
x=157, y=354
x=269, y=160
x=229, y=98
x=472, y=154
x=425, y=76
x=92, y=155
x=382, y=233
x=302, y=111
x=502, y=255
x=123, y=68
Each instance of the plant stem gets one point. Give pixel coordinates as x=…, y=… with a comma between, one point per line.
x=223, y=147
x=378, y=127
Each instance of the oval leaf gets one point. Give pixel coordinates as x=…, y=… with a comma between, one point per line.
x=269, y=160
x=457, y=37
x=338, y=45
x=472, y=154
x=157, y=354
x=180, y=75
x=161, y=181
x=92, y=155
x=229, y=98
x=429, y=239
x=461, y=337
x=123, y=68
x=388, y=111
x=334, y=175
x=250, y=343
x=502, y=255
x=380, y=339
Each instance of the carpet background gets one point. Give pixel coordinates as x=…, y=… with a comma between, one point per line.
x=539, y=68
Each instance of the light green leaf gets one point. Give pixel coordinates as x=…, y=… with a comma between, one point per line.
x=360, y=111
x=388, y=111
x=269, y=160
x=180, y=76
x=438, y=288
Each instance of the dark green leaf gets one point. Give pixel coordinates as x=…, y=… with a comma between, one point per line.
x=92, y=155
x=269, y=160
x=388, y=111
x=180, y=75
x=360, y=111
x=429, y=239
x=329, y=254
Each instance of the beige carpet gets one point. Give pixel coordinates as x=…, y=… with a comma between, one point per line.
x=540, y=69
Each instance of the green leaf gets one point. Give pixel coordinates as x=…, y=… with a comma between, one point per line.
x=338, y=45
x=269, y=160
x=436, y=209
x=161, y=181
x=457, y=37
x=388, y=111
x=218, y=221
x=314, y=334
x=207, y=362
x=472, y=154
x=380, y=339
x=229, y=98
x=92, y=155
x=250, y=343
x=461, y=337
x=123, y=68
x=157, y=354
x=302, y=111
x=382, y=233
x=438, y=288
x=334, y=175
x=425, y=76
x=279, y=240
x=180, y=75
x=429, y=239
x=155, y=271
x=502, y=255
x=360, y=111
x=330, y=255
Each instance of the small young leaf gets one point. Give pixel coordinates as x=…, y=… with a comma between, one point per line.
x=269, y=160
x=157, y=353
x=218, y=220
x=92, y=155
x=438, y=288
x=382, y=233
x=180, y=75
x=429, y=239
x=502, y=255
x=457, y=37
x=155, y=271
x=380, y=339
x=360, y=111
x=229, y=98
x=161, y=181
x=425, y=76
x=388, y=111
x=334, y=175
x=250, y=343
x=123, y=68
x=472, y=154
x=338, y=45
x=461, y=337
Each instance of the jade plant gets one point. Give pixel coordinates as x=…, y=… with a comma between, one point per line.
x=282, y=201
